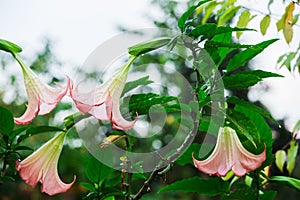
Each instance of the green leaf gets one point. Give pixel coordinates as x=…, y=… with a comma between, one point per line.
x=261, y=73
x=6, y=121
x=18, y=148
x=228, y=14
x=18, y=131
x=185, y=16
x=240, y=81
x=264, y=24
x=244, y=193
x=97, y=172
x=34, y=130
x=186, y=157
x=244, y=19
x=291, y=156
x=286, y=181
x=213, y=44
x=241, y=58
x=209, y=30
x=88, y=186
x=250, y=106
x=296, y=127
x=263, y=130
x=141, y=103
x=280, y=157
x=245, y=127
x=208, y=11
x=268, y=195
x=151, y=45
x=9, y=47
x=210, y=187
x=133, y=84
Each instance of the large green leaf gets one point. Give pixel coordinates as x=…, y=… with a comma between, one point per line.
x=240, y=81
x=235, y=100
x=34, y=130
x=210, y=187
x=243, y=57
x=186, y=157
x=97, y=172
x=6, y=121
x=133, y=84
x=210, y=30
x=286, y=181
x=185, y=16
x=261, y=73
x=9, y=47
x=263, y=129
x=151, y=45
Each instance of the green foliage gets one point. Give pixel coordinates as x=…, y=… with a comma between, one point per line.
x=141, y=103
x=134, y=84
x=243, y=57
x=182, y=21
x=240, y=81
x=6, y=121
x=286, y=181
x=210, y=187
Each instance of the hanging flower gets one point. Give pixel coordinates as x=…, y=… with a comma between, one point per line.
x=104, y=101
x=41, y=166
x=42, y=98
x=229, y=154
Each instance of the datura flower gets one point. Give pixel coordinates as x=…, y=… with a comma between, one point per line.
x=41, y=166
x=104, y=101
x=229, y=154
x=42, y=98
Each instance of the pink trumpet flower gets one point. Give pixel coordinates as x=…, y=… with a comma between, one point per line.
x=41, y=166
x=229, y=154
x=42, y=98
x=104, y=101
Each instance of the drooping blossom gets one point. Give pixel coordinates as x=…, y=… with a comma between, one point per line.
x=41, y=166
x=104, y=101
x=230, y=154
x=42, y=98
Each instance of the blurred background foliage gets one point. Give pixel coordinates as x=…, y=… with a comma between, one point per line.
x=74, y=158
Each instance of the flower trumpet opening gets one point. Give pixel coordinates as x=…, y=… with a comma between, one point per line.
x=41, y=166
x=42, y=98
x=229, y=154
x=104, y=101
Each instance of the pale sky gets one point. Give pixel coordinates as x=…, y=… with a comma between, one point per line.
x=78, y=27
